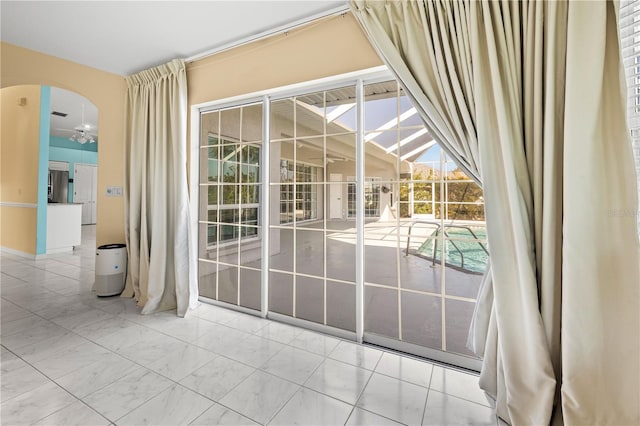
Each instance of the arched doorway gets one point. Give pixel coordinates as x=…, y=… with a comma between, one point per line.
x=45, y=137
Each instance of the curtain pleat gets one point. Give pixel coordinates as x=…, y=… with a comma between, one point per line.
x=527, y=96
x=161, y=267
x=600, y=291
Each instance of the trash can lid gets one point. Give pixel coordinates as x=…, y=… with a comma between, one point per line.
x=111, y=246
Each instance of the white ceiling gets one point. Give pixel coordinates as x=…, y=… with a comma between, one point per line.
x=71, y=103
x=124, y=37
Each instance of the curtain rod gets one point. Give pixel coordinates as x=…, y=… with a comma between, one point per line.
x=268, y=33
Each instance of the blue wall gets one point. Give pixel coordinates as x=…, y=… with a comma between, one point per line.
x=71, y=156
x=66, y=143
x=43, y=170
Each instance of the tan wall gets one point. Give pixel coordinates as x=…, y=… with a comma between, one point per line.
x=329, y=47
x=19, y=144
x=106, y=91
x=19, y=147
x=18, y=227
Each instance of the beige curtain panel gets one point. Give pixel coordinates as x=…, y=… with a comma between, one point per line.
x=529, y=97
x=161, y=272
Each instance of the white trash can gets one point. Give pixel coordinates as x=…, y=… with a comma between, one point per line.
x=111, y=269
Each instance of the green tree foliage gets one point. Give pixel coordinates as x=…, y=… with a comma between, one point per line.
x=463, y=196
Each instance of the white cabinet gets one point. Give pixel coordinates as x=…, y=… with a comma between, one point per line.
x=59, y=165
x=64, y=230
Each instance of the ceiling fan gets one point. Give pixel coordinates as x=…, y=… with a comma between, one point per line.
x=82, y=133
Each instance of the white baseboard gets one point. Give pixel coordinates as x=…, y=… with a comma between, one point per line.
x=60, y=250
x=30, y=256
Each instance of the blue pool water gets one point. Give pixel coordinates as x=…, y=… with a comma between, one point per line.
x=464, y=251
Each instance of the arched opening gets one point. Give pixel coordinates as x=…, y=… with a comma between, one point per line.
x=49, y=160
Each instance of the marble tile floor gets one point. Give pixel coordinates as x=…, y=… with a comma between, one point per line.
x=71, y=358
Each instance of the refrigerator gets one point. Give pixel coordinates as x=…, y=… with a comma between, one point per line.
x=58, y=186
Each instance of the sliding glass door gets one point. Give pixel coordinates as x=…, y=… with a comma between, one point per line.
x=408, y=216
x=230, y=240
x=312, y=252
x=425, y=254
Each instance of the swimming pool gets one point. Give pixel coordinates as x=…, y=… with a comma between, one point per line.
x=466, y=248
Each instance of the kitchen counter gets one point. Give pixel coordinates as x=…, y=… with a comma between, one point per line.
x=64, y=227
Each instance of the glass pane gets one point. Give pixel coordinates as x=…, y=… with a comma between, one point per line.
x=463, y=283
x=230, y=124
x=336, y=207
x=212, y=234
x=250, y=194
x=381, y=105
x=212, y=195
x=341, y=256
x=213, y=170
x=230, y=154
x=209, y=165
x=467, y=248
x=281, y=249
x=406, y=108
x=422, y=320
x=249, y=216
x=341, y=154
x=372, y=198
x=421, y=238
x=381, y=311
x=229, y=194
x=458, y=319
x=418, y=271
x=229, y=215
x=386, y=138
x=251, y=247
x=208, y=198
x=281, y=293
x=209, y=126
x=228, y=233
x=282, y=164
x=341, y=299
x=231, y=203
x=310, y=299
x=380, y=254
x=213, y=152
x=250, y=173
x=206, y=239
x=341, y=110
x=309, y=154
x=207, y=279
x=252, y=123
x=250, y=289
x=306, y=202
x=310, y=252
x=281, y=124
x=228, y=284
x=465, y=200
x=287, y=203
x=310, y=115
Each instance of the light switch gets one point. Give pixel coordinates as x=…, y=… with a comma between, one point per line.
x=114, y=191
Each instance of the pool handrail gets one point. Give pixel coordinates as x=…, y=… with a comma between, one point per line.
x=438, y=227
